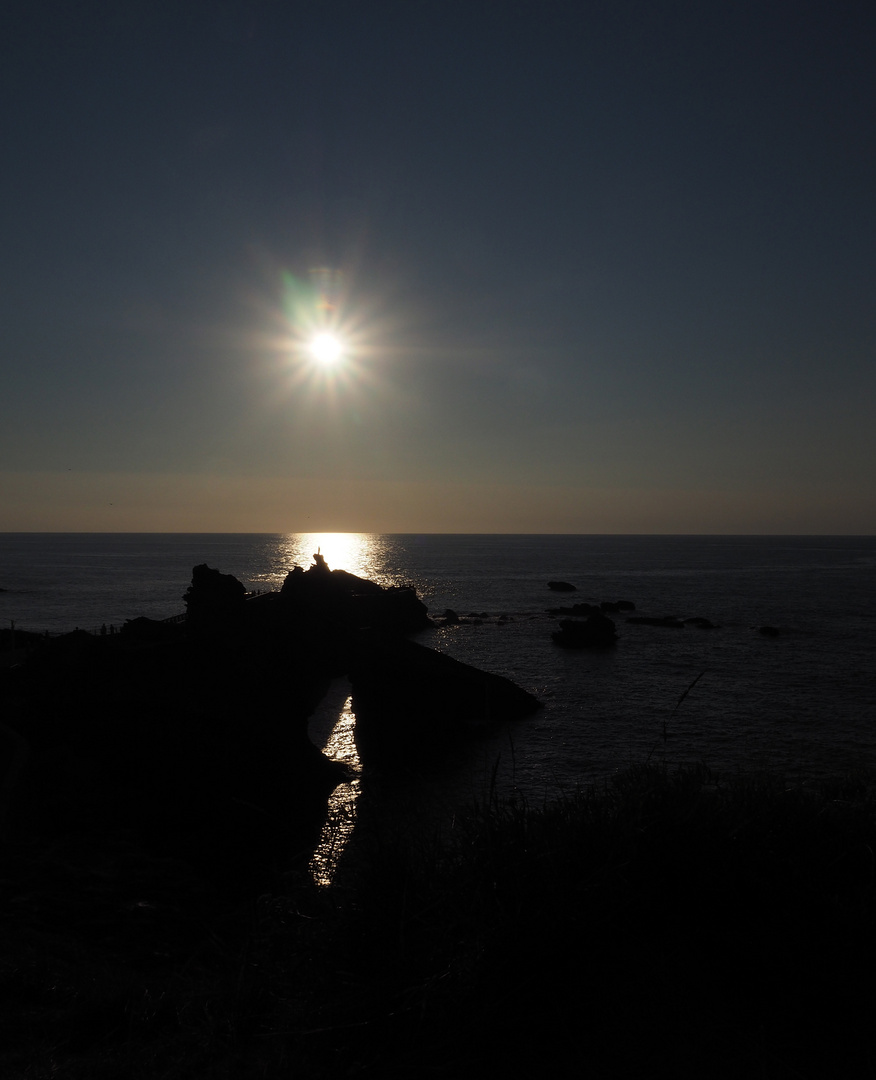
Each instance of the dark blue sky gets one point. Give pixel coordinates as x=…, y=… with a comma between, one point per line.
x=606, y=266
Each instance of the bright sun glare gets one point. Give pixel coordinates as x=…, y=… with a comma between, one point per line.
x=326, y=350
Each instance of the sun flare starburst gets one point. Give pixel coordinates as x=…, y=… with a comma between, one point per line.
x=326, y=349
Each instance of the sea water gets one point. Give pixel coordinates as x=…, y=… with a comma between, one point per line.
x=802, y=703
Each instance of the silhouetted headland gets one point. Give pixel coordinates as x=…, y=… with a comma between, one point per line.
x=192, y=734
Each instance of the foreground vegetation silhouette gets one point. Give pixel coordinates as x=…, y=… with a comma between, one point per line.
x=666, y=924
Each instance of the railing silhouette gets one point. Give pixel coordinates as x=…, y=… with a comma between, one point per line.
x=104, y=630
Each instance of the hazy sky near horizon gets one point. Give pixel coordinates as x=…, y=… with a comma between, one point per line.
x=605, y=266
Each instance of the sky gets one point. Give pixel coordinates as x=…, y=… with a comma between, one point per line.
x=595, y=267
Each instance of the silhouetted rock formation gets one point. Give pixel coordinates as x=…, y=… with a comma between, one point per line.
x=578, y=610
x=214, y=602
x=407, y=696
x=596, y=632
x=587, y=609
x=562, y=586
x=398, y=610
x=196, y=747
x=193, y=739
x=348, y=602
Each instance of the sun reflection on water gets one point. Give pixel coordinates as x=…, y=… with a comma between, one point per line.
x=357, y=553
x=341, y=818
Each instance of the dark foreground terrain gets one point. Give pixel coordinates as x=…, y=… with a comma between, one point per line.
x=158, y=919
x=663, y=926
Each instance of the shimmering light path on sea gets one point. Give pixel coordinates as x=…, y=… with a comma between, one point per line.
x=339, y=745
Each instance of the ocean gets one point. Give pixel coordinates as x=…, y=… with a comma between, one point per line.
x=801, y=703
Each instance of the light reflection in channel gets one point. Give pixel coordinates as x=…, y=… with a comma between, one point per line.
x=341, y=819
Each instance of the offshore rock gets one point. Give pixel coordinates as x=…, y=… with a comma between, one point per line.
x=617, y=605
x=579, y=610
x=597, y=632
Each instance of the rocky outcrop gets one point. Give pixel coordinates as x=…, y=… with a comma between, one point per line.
x=596, y=632
x=669, y=621
x=576, y=610
x=348, y=602
x=584, y=609
x=406, y=696
x=195, y=747
x=562, y=586
x=193, y=739
x=394, y=610
x=214, y=602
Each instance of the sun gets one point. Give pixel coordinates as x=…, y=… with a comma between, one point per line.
x=326, y=350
